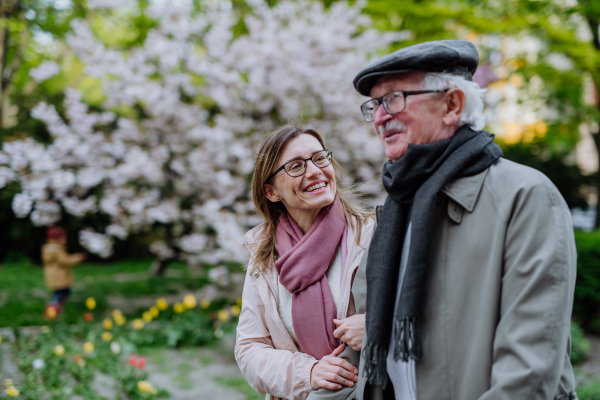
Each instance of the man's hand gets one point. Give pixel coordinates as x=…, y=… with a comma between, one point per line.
x=351, y=330
x=333, y=372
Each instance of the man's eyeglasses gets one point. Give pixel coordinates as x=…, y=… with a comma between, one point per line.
x=298, y=167
x=393, y=102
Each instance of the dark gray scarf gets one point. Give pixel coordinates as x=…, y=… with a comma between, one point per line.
x=412, y=183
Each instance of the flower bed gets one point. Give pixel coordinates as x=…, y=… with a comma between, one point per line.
x=62, y=360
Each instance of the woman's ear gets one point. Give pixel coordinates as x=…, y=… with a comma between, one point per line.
x=270, y=192
x=455, y=103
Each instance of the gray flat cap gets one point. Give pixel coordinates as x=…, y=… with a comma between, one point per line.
x=458, y=57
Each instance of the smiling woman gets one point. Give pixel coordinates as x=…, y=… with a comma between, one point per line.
x=303, y=259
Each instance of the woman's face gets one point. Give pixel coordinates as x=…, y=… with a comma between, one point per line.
x=297, y=193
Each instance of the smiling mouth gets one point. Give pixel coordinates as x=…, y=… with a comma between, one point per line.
x=315, y=187
x=389, y=134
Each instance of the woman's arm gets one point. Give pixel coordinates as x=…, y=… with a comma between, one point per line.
x=281, y=373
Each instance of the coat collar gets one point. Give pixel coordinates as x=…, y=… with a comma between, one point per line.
x=465, y=191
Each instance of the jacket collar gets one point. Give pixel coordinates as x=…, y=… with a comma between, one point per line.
x=465, y=191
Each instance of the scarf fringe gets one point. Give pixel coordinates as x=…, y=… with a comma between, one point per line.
x=375, y=368
x=407, y=339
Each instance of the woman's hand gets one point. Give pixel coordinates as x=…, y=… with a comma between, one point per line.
x=350, y=330
x=333, y=372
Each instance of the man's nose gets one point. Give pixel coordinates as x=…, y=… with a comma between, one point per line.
x=381, y=116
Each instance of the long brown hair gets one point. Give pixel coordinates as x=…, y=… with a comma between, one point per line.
x=266, y=161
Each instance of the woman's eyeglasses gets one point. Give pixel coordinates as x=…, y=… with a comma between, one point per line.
x=295, y=168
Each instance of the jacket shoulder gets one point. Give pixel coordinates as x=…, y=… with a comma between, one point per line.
x=253, y=237
x=509, y=180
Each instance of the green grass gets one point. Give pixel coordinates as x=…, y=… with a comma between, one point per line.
x=589, y=392
x=23, y=293
x=241, y=385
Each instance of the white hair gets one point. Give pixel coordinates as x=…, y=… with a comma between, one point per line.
x=472, y=113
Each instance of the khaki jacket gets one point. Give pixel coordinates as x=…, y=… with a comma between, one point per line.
x=264, y=350
x=496, y=321
x=57, y=265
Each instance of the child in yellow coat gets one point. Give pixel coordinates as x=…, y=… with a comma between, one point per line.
x=57, y=269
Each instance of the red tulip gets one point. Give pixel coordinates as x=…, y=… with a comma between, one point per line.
x=132, y=360
x=141, y=362
x=87, y=317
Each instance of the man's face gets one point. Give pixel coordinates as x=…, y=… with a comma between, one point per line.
x=421, y=121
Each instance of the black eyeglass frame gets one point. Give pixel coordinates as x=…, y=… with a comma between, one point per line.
x=328, y=154
x=405, y=93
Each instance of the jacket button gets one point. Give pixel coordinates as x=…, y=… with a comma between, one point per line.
x=256, y=275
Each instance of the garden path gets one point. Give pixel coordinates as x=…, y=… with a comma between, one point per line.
x=589, y=371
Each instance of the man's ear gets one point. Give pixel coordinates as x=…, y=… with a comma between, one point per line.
x=455, y=103
x=270, y=192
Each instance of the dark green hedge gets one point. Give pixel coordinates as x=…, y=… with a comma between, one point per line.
x=586, y=308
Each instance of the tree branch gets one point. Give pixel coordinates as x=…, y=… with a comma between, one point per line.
x=594, y=28
x=18, y=53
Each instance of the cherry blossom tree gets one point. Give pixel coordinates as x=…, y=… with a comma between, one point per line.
x=171, y=155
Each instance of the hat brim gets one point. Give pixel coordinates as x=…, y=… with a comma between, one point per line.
x=365, y=83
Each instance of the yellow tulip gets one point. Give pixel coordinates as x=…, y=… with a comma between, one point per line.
x=238, y=301
x=178, y=308
x=107, y=336
x=117, y=313
x=88, y=347
x=223, y=315
x=59, y=350
x=108, y=324
x=154, y=312
x=145, y=386
x=189, y=301
x=12, y=391
x=162, y=303
x=51, y=312
x=146, y=316
x=137, y=324
x=90, y=303
x=204, y=303
x=120, y=320
x=235, y=310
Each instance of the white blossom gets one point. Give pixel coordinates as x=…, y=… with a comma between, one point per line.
x=96, y=243
x=22, y=205
x=45, y=70
x=193, y=243
x=117, y=231
x=181, y=168
x=219, y=275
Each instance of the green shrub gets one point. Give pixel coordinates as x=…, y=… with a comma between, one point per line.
x=587, y=289
x=580, y=346
x=589, y=392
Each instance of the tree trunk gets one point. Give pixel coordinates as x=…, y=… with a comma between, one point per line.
x=159, y=267
x=596, y=137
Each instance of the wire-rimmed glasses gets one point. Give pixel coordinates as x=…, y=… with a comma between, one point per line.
x=295, y=168
x=393, y=102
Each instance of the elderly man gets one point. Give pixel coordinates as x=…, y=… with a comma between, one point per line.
x=471, y=270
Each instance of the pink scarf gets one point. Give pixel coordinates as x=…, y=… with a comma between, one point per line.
x=302, y=266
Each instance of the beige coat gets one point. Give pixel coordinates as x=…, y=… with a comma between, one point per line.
x=499, y=293
x=264, y=350
x=58, y=264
